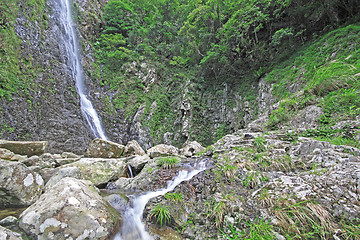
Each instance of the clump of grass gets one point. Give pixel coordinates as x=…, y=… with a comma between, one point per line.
x=259, y=229
x=162, y=214
x=254, y=178
x=174, y=197
x=304, y=220
x=168, y=162
x=260, y=144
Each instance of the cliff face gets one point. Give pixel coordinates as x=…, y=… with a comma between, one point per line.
x=48, y=107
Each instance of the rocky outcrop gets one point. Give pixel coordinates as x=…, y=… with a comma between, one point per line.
x=162, y=150
x=25, y=148
x=70, y=209
x=19, y=186
x=100, y=148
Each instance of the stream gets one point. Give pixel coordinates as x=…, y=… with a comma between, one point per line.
x=133, y=228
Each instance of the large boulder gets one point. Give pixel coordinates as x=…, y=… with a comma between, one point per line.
x=71, y=209
x=191, y=148
x=97, y=170
x=162, y=150
x=19, y=186
x=25, y=148
x=100, y=148
x=133, y=148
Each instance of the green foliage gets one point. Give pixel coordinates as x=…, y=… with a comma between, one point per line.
x=174, y=197
x=260, y=144
x=259, y=229
x=168, y=162
x=162, y=214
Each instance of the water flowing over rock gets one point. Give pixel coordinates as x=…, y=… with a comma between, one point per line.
x=99, y=148
x=19, y=186
x=25, y=148
x=71, y=209
x=74, y=62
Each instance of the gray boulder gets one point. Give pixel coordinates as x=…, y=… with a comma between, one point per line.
x=19, y=186
x=99, y=148
x=71, y=209
x=25, y=147
x=96, y=170
x=191, y=148
x=162, y=150
x=133, y=148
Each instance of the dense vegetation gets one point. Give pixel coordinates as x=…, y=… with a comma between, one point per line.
x=202, y=45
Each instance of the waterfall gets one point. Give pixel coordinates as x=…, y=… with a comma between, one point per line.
x=74, y=62
x=133, y=228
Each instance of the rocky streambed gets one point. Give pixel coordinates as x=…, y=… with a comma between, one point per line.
x=272, y=184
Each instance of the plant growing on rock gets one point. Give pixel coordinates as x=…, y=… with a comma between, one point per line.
x=174, y=197
x=260, y=144
x=162, y=214
x=168, y=162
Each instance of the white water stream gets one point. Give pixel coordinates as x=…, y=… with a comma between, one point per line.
x=133, y=228
x=74, y=62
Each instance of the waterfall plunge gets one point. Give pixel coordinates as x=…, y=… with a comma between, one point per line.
x=74, y=62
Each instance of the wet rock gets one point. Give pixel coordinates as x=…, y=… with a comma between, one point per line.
x=191, y=148
x=19, y=186
x=97, y=170
x=71, y=209
x=99, y=148
x=137, y=163
x=162, y=150
x=133, y=148
x=118, y=201
x=25, y=148
x=7, y=234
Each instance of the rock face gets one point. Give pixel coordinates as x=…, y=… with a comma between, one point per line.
x=25, y=148
x=99, y=148
x=19, y=186
x=162, y=150
x=71, y=209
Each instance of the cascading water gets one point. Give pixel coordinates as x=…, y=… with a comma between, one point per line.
x=73, y=54
x=133, y=228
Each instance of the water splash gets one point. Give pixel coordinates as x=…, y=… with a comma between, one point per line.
x=133, y=228
x=74, y=62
